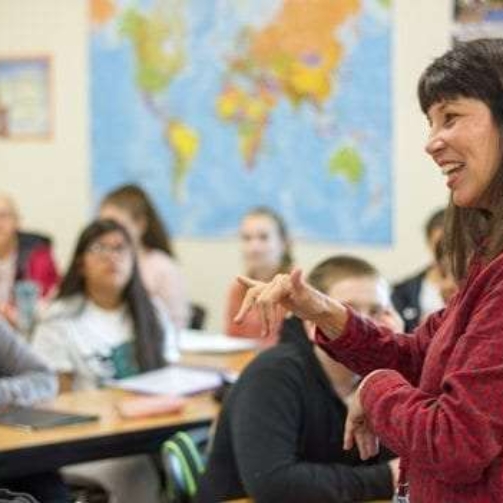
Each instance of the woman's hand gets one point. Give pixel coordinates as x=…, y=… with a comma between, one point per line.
x=358, y=430
x=284, y=291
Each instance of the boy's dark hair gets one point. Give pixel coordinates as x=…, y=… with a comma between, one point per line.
x=337, y=268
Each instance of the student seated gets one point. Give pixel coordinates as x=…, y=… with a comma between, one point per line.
x=24, y=380
x=266, y=251
x=447, y=285
x=104, y=326
x=420, y=295
x=279, y=437
x=130, y=206
x=23, y=257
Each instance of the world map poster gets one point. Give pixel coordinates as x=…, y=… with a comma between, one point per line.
x=217, y=106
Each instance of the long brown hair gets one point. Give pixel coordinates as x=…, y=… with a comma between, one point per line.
x=135, y=201
x=149, y=337
x=470, y=70
x=286, y=263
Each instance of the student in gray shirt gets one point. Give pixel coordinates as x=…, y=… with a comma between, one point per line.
x=24, y=380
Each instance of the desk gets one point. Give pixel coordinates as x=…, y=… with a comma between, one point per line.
x=24, y=452
x=234, y=362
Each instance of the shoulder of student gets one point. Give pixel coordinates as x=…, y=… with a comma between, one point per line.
x=63, y=309
x=280, y=364
x=159, y=260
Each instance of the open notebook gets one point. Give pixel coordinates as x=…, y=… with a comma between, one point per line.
x=173, y=380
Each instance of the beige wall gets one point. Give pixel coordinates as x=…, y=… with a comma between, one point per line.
x=51, y=179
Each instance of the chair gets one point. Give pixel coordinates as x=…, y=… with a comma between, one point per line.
x=84, y=490
x=7, y=496
x=184, y=458
x=197, y=316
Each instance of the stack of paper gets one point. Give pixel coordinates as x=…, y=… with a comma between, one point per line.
x=173, y=380
x=194, y=341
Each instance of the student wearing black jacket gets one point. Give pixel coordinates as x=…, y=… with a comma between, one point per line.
x=418, y=296
x=279, y=437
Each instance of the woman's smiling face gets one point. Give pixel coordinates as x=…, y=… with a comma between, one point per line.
x=465, y=143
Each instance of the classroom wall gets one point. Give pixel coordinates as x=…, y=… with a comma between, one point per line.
x=51, y=179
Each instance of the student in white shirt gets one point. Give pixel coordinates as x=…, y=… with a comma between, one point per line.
x=104, y=326
x=416, y=297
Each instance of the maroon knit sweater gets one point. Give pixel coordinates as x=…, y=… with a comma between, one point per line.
x=439, y=403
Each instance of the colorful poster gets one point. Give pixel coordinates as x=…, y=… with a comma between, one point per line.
x=25, y=98
x=478, y=19
x=218, y=106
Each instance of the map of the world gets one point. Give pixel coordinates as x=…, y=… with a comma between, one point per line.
x=218, y=106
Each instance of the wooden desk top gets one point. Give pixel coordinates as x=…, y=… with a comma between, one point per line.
x=111, y=435
x=234, y=362
x=103, y=402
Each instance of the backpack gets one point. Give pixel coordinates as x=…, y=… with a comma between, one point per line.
x=183, y=459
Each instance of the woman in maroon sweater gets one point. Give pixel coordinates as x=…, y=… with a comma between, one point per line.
x=436, y=398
